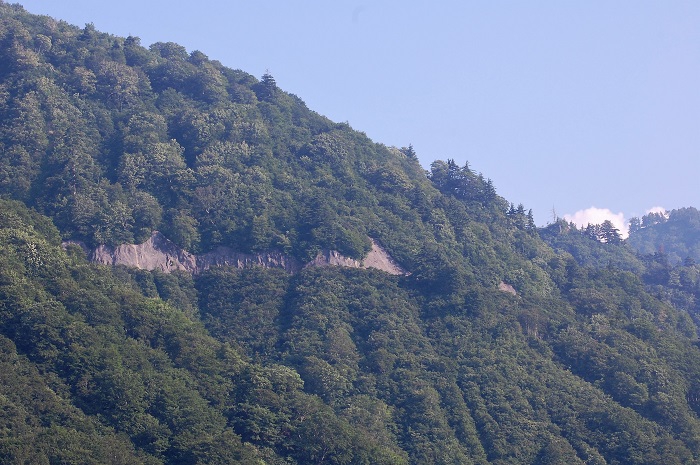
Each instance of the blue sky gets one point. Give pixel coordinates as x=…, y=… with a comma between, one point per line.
x=564, y=105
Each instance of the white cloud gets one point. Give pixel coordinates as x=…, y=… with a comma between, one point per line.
x=594, y=215
x=661, y=210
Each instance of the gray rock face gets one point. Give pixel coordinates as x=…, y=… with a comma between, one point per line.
x=507, y=288
x=223, y=256
x=380, y=259
x=376, y=258
x=159, y=253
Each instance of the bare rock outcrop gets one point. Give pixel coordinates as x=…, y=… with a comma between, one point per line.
x=380, y=259
x=333, y=258
x=223, y=256
x=507, y=288
x=159, y=253
x=377, y=258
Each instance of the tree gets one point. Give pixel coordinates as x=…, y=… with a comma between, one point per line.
x=489, y=191
x=530, y=225
x=609, y=233
x=409, y=152
x=267, y=88
x=450, y=179
x=635, y=225
x=135, y=54
x=653, y=218
x=592, y=231
x=119, y=82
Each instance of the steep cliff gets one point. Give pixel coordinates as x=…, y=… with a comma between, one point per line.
x=159, y=253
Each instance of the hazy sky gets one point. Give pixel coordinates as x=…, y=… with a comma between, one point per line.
x=564, y=105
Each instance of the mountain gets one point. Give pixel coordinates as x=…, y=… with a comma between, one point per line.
x=496, y=343
x=675, y=234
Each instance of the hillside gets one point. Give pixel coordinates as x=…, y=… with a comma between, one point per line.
x=490, y=346
x=675, y=234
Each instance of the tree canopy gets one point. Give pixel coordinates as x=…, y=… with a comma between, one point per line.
x=503, y=344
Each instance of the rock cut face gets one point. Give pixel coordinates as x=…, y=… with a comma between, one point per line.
x=377, y=258
x=380, y=259
x=159, y=253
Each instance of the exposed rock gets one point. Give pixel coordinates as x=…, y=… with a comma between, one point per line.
x=380, y=259
x=223, y=256
x=507, y=288
x=159, y=253
x=333, y=258
x=376, y=258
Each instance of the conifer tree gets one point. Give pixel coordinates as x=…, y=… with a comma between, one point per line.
x=267, y=90
x=609, y=233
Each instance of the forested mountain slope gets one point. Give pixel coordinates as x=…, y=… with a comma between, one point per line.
x=105, y=141
x=675, y=234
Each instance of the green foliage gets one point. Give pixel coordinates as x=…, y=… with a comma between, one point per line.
x=590, y=248
x=676, y=234
x=504, y=344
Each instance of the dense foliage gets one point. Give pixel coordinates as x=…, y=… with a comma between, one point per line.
x=589, y=247
x=675, y=234
x=499, y=347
